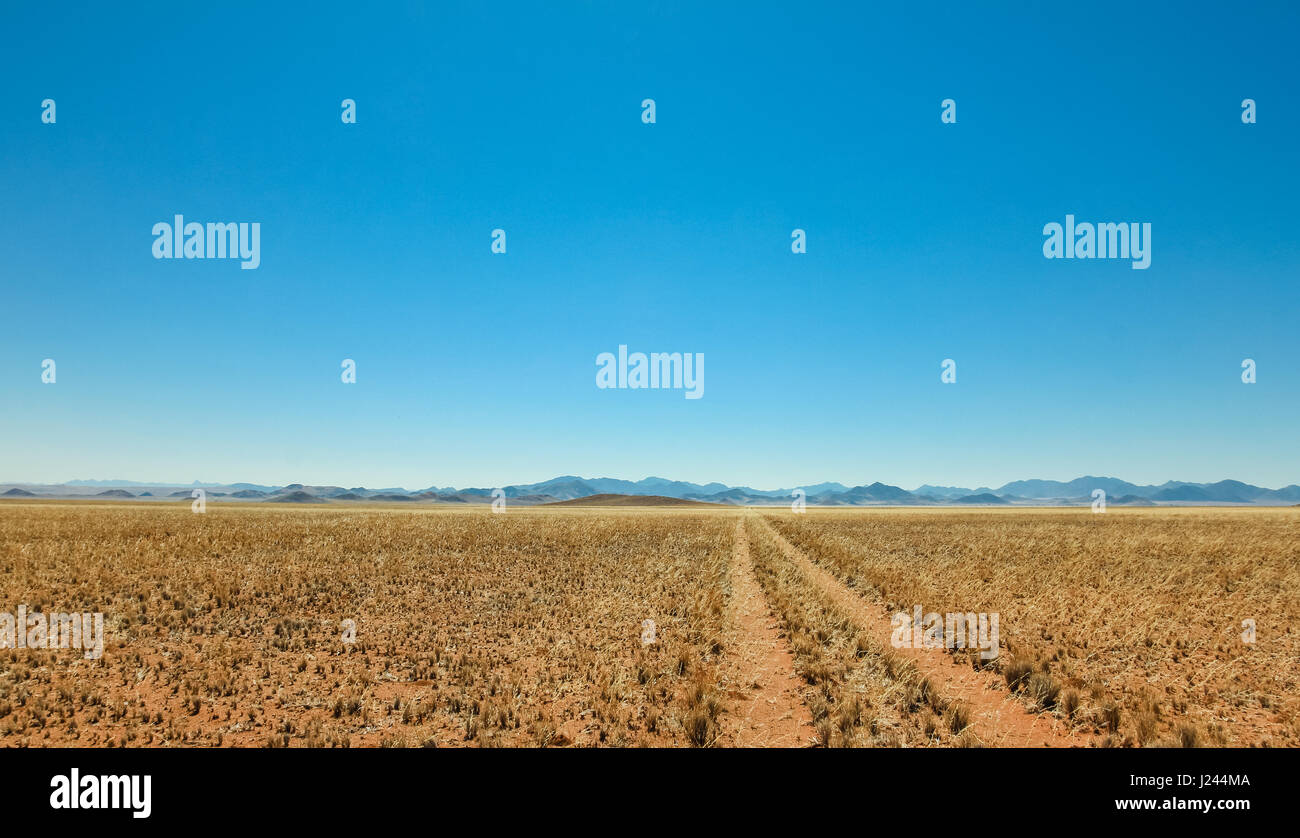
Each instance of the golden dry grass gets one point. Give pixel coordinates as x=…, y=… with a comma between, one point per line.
x=225, y=628
x=859, y=694
x=1135, y=610
x=524, y=628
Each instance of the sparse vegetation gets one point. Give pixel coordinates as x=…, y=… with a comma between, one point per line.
x=1099, y=611
x=472, y=628
x=524, y=629
x=859, y=693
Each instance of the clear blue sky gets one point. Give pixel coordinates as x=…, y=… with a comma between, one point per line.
x=924, y=242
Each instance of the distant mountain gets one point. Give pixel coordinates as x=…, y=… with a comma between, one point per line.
x=1287, y=494
x=569, y=486
x=564, y=488
x=1035, y=492
x=628, y=500
x=1079, y=487
x=1131, y=500
x=822, y=488
x=982, y=498
x=297, y=497
x=249, y=487
x=734, y=496
x=943, y=491
x=1201, y=494
x=878, y=492
x=659, y=486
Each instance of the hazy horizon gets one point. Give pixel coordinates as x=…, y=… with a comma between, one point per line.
x=88, y=481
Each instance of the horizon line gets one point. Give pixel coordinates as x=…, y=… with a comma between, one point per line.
x=434, y=486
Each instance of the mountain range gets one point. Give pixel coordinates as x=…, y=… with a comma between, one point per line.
x=569, y=487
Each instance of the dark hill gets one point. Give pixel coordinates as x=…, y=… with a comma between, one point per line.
x=630, y=500
x=985, y=497
x=297, y=497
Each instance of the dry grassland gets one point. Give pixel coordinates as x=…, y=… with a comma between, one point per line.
x=526, y=628
x=471, y=628
x=1127, y=623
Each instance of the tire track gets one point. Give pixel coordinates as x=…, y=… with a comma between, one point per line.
x=996, y=717
x=758, y=676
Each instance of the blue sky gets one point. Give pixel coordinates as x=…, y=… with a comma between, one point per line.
x=474, y=368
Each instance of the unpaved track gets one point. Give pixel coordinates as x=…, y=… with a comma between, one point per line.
x=996, y=718
x=758, y=675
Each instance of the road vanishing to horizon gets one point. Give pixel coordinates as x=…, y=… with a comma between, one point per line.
x=388, y=383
